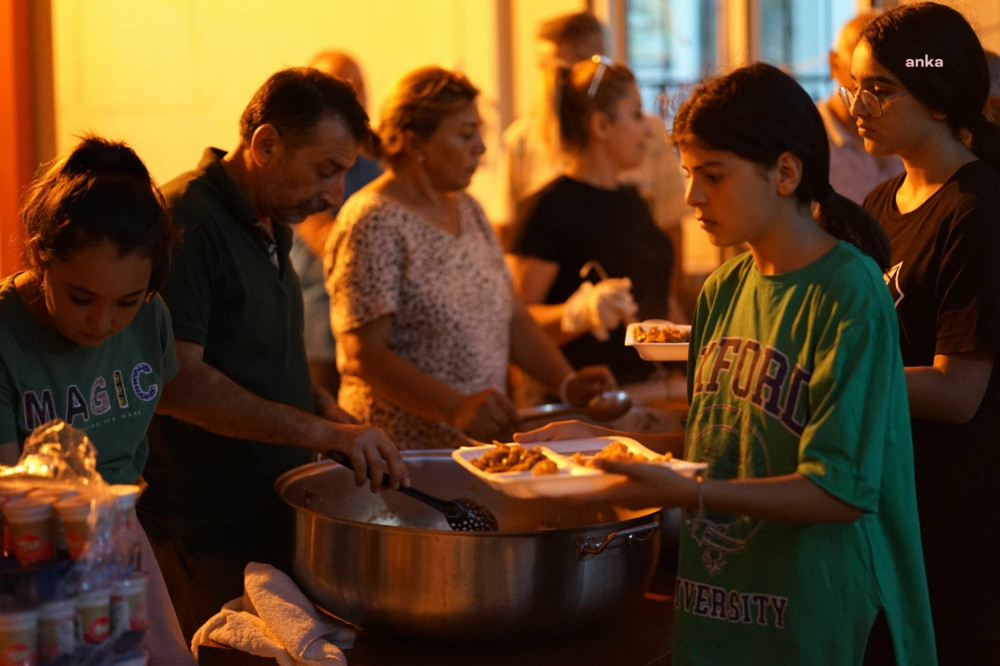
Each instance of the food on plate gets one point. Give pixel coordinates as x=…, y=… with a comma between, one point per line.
x=544, y=467
x=661, y=333
x=514, y=458
x=617, y=452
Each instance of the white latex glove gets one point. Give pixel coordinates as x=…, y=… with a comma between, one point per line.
x=599, y=308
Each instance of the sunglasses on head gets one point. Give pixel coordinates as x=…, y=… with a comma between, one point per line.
x=603, y=62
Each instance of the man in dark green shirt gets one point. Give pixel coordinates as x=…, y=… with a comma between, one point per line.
x=242, y=409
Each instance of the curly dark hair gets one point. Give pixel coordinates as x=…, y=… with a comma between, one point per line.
x=295, y=100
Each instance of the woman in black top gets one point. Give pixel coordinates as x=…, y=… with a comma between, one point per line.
x=585, y=215
x=942, y=217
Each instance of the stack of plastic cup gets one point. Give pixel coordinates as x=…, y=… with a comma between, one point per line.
x=29, y=523
x=57, y=635
x=19, y=638
x=75, y=517
x=128, y=604
x=126, y=533
x=94, y=609
x=10, y=491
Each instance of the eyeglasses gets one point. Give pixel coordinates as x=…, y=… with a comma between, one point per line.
x=871, y=103
x=603, y=62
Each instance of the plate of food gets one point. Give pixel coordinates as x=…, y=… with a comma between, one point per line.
x=557, y=469
x=659, y=340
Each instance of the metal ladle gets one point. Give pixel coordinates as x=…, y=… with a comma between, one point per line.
x=462, y=514
x=606, y=406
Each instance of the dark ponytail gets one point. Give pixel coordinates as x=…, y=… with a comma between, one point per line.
x=986, y=141
x=842, y=218
x=758, y=112
x=100, y=191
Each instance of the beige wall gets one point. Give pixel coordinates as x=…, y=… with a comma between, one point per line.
x=172, y=76
x=526, y=16
x=985, y=18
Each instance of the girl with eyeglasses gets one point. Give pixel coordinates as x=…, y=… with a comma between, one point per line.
x=800, y=543
x=942, y=217
x=586, y=215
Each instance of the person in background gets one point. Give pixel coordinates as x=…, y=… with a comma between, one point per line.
x=992, y=108
x=242, y=409
x=586, y=215
x=853, y=171
x=310, y=239
x=800, y=542
x=941, y=216
x=422, y=304
x=85, y=318
x=532, y=153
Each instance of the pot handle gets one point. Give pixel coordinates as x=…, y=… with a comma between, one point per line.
x=589, y=546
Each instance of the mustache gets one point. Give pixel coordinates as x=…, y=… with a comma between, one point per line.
x=312, y=207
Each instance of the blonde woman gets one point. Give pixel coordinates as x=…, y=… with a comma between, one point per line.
x=586, y=215
x=421, y=301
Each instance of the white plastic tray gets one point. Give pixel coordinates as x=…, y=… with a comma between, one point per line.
x=571, y=479
x=658, y=351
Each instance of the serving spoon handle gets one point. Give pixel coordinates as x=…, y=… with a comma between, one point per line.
x=462, y=514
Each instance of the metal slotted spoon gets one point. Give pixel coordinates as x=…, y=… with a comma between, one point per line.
x=463, y=514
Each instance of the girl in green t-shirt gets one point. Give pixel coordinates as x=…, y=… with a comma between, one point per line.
x=83, y=336
x=800, y=544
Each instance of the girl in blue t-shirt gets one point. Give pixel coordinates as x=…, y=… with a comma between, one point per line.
x=83, y=336
x=800, y=543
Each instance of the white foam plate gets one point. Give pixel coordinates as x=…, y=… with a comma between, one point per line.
x=571, y=479
x=658, y=351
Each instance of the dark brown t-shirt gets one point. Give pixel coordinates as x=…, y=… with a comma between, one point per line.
x=945, y=281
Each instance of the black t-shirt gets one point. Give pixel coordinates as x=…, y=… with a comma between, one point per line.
x=225, y=294
x=569, y=223
x=945, y=280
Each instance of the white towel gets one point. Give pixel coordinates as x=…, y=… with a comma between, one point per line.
x=274, y=619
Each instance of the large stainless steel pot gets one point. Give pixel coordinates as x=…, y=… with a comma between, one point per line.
x=386, y=562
